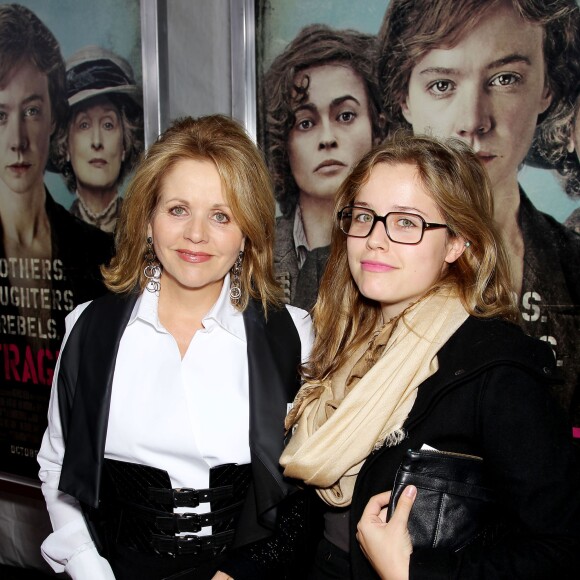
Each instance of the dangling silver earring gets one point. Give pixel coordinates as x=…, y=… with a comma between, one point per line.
x=152, y=270
x=235, y=284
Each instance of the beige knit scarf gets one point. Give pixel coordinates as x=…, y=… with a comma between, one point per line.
x=338, y=425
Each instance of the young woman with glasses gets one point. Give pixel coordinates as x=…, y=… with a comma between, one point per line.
x=416, y=346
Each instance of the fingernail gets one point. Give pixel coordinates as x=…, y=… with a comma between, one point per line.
x=410, y=491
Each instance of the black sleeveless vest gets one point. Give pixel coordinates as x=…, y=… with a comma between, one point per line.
x=84, y=394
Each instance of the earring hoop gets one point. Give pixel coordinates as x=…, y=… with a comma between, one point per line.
x=235, y=283
x=152, y=270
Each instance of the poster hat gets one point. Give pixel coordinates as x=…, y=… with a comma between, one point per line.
x=94, y=71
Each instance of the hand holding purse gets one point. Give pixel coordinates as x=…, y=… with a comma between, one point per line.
x=453, y=507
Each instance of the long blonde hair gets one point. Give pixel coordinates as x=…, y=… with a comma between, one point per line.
x=458, y=183
x=247, y=189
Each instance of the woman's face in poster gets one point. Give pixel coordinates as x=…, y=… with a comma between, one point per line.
x=488, y=90
x=95, y=144
x=332, y=130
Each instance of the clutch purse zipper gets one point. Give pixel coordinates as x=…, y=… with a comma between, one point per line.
x=450, y=453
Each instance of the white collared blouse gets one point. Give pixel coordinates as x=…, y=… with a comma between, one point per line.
x=180, y=415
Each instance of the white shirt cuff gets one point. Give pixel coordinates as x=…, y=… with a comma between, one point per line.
x=70, y=549
x=87, y=564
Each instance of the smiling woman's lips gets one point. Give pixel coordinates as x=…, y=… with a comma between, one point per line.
x=193, y=257
x=370, y=266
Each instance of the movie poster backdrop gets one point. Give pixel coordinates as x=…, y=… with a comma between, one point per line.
x=36, y=293
x=319, y=131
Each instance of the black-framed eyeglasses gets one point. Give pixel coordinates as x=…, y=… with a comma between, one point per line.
x=401, y=227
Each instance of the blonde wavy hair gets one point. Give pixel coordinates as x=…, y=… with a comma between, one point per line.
x=456, y=180
x=247, y=189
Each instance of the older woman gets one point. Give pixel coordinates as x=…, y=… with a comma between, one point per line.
x=166, y=420
x=104, y=134
x=415, y=347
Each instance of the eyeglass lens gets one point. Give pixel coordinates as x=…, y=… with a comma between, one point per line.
x=406, y=228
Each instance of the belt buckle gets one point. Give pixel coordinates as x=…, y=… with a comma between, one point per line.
x=194, y=518
x=184, y=545
x=173, y=523
x=185, y=497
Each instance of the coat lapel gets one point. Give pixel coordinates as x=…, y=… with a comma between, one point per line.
x=89, y=359
x=273, y=359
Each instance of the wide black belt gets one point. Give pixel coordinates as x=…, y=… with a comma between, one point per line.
x=137, y=503
x=179, y=523
x=188, y=497
x=192, y=544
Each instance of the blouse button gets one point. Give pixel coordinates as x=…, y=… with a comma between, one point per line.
x=459, y=372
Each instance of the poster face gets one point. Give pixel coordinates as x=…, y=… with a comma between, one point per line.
x=506, y=86
x=50, y=260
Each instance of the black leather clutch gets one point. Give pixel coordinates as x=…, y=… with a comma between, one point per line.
x=453, y=507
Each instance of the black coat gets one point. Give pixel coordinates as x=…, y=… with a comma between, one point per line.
x=491, y=397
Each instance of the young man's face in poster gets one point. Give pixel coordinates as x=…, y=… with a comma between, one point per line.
x=25, y=127
x=487, y=90
x=332, y=130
